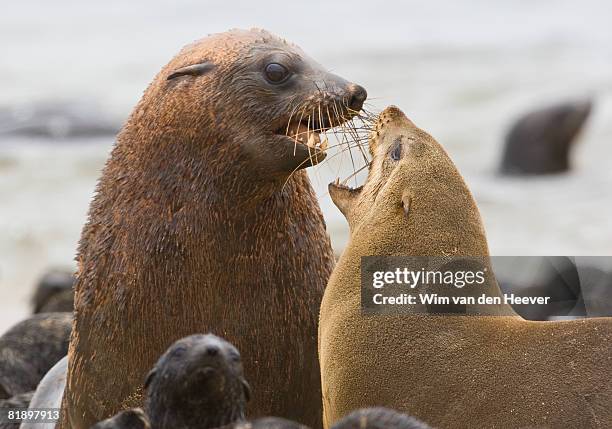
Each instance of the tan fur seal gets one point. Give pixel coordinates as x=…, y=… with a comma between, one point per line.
x=198, y=225
x=490, y=369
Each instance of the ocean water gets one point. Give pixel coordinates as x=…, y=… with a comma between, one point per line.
x=463, y=71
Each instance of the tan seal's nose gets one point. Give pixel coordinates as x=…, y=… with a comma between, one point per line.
x=357, y=95
x=395, y=116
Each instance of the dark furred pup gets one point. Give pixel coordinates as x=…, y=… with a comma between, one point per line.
x=197, y=384
x=29, y=349
x=18, y=401
x=54, y=292
x=198, y=225
x=133, y=418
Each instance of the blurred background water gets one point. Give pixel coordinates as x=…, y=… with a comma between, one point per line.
x=463, y=71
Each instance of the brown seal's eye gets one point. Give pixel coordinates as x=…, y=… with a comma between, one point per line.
x=276, y=73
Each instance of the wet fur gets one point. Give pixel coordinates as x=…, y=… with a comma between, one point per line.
x=187, y=233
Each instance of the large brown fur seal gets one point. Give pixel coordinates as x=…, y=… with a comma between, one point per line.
x=198, y=225
x=490, y=369
x=540, y=141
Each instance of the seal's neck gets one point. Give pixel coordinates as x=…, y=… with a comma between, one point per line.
x=214, y=172
x=351, y=266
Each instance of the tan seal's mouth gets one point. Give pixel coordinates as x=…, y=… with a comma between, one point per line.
x=344, y=187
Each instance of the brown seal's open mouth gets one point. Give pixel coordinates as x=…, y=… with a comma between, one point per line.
x=304, y=136
x=304, y=132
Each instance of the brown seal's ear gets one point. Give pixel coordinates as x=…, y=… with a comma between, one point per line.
x=247, y=389
x=192, y=70
x=150, y=376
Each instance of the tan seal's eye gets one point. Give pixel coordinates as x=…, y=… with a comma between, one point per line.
x=276, y=73
x=396, y=150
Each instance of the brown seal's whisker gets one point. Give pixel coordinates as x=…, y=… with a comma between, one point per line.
x=345, y=149
x=355, y=135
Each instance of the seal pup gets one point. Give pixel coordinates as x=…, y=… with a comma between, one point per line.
x=489, y=368
x=54, y=292
x=378, y=418
x=29, y=349
x=198, y=384
x=198, y=216
x=134, y=418
x=18, y=401
x=540, y=141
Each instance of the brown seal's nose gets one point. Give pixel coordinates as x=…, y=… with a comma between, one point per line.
x=357, y=95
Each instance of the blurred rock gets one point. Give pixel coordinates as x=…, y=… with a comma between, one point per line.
x=57, y=120
x=540, y=141
x=574, y=291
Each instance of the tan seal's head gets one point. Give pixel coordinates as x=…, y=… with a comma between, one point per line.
x=414, y=201
x=252, y=88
